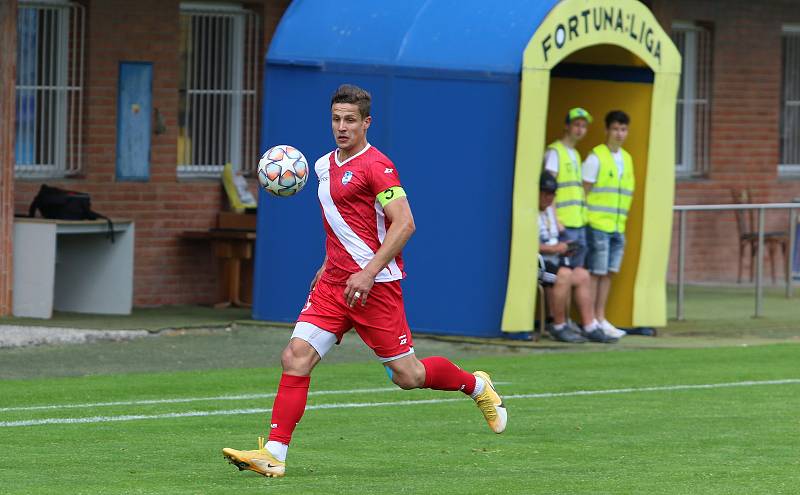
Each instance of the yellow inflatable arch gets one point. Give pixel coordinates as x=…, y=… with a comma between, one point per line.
x=602, y=36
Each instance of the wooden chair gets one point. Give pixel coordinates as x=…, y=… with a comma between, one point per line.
x=747, y=227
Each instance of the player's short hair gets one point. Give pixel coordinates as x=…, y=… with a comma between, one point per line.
x=348, y=93
x=617, y=116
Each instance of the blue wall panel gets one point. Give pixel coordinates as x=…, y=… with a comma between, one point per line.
x=444, y=76
x=454, y=147
x=455, y=156
x=457, y=35
x=290, y=243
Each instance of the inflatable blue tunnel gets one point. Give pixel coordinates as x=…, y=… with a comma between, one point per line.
x=445, y=78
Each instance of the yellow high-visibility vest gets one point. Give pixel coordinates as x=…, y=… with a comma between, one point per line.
x=570, y=198
x=609, y=200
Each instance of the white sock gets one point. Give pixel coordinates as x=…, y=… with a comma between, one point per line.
x=277, y=449
x=559, y=326
x=594, y=324
x=479, y=386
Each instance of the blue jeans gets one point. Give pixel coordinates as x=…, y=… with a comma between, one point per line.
x=605, y=251
x=578, y=259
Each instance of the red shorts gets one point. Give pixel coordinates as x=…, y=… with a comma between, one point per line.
x=381, y=323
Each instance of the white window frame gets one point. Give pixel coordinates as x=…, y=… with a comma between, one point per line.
x=694, y=99
x=790, y=104
x=229, y=96
x=49, y=90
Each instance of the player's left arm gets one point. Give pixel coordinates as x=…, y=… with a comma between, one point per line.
x=398, y=212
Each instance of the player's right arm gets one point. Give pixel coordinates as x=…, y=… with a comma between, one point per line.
x=319, y=273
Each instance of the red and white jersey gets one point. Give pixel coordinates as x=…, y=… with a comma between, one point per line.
x=352, y=215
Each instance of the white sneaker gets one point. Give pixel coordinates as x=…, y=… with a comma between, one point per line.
x=611, y=330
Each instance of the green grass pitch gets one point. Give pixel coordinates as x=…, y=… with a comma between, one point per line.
x=716, y=439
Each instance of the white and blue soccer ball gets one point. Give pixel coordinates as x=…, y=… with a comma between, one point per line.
x=283, y=170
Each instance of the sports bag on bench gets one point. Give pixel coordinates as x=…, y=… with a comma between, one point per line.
x=61, y=204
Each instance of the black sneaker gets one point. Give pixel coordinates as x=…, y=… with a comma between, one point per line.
x=566, y=335
x=598, y=335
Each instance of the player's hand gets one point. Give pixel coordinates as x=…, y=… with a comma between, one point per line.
x=358, y=287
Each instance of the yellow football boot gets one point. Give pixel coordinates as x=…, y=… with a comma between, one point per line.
x=260, y=461
x=491, y=404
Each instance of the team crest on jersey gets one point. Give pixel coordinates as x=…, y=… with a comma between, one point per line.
x=347, y=177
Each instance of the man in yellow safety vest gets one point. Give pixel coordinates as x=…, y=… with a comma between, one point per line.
x=563, y=161
x=609, y=182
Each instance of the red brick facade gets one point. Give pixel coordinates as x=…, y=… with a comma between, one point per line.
x=744, y=143
x=168, y=269
x=745, y=120
x=8, y=40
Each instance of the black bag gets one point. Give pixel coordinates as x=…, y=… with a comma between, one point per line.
x=61, y=204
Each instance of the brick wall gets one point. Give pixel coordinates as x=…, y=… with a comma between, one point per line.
x=744, y=140
x=8, y=40
x=745, y=119
x=168, y=269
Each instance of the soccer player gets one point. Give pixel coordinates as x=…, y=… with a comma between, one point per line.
x=563, y=161
x=367, y=220
x=609, y=182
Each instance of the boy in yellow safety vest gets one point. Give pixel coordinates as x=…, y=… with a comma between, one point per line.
x=563, y=161
x=609, y=182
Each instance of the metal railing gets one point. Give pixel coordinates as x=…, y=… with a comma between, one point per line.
x=759, y=295
x=49, y=89
x=218, y=96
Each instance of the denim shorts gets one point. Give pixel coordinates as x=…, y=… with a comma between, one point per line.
x=605, y=251
x=578, y=259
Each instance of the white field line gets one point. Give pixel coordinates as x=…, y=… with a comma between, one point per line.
x=232, y=412
x=179, y=400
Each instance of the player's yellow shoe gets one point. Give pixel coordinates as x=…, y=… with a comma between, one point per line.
x=260, y=461
x=491, y=404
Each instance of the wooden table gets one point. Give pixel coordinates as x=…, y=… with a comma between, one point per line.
x=233, y=247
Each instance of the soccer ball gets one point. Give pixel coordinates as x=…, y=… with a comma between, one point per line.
x=283, y=170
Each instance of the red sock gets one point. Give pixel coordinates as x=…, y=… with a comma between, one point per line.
x=442, y=374
x=289, y=406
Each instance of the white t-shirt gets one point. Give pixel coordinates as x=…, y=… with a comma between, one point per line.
x=551, y=159
x=591, y=166
x=548, y=226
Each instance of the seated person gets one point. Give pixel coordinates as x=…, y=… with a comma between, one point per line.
x=558, y=257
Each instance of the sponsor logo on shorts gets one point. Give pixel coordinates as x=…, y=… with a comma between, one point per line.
x=388, y=171
x=403, y=339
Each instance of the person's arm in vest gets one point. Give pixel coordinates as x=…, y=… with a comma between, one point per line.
x=591, y=166
x=550, y=162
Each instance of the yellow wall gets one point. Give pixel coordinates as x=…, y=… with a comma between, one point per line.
x=569, y=29
x=600, y=97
